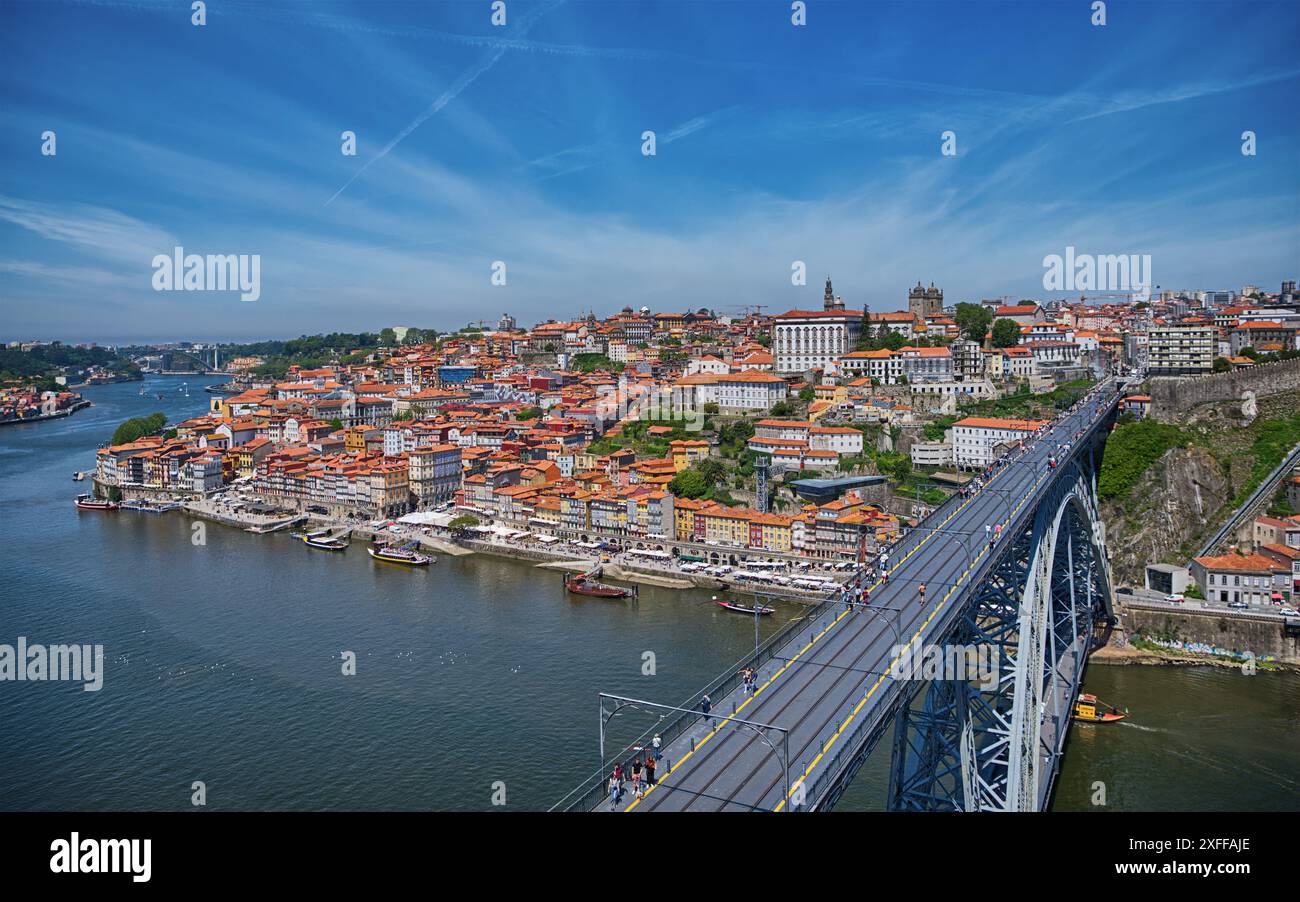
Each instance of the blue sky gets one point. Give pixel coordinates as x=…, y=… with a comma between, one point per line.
x=522, y=144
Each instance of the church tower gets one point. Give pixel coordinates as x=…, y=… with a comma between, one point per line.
x=830, y=301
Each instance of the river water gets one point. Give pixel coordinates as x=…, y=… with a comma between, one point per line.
x=223, y=664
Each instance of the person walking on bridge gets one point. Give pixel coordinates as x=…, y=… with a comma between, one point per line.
x=649, y=771
x=706, y=705
x=922, y=591
x=613, y=791
x=657, y=742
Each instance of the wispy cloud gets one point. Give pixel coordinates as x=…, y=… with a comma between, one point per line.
x=1129, y=101
x=100, y=231
x=463, y=81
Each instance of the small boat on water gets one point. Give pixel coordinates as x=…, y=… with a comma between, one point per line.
x=398, y=556
x=761, y=610
x=582, y=584
x=143, y=507
x=78, y=476
x=91, y=503
x=1090, y=709
x=323, y=543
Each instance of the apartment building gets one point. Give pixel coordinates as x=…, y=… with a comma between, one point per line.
x=1180, y=350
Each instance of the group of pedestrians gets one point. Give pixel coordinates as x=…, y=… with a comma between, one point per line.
x=641, y=775
x=749, y=680
x=855, y=593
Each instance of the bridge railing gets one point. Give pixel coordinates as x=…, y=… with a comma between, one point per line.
x=591, y=791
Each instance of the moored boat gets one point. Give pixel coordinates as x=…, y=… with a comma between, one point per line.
x=78, y=476
x=398, y=556
x=1090, y=709
x=143, y=507
x=324, y=544
x=91, y=503
x=581, y=584
x=761, y=610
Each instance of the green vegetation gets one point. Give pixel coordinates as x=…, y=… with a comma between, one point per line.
x=40, y=365
x=934, y=431
x=1130, y=450
x=590, y=363
x=883, y=337
x=733, y=437
x=1273, y=442
x=462, y=523
x=1006, y=334
x=636, y=436
x=702, y=479
x=1024, y=405
x=528, y=413
x=138, y=427
x=974, y=321
x=328, y=348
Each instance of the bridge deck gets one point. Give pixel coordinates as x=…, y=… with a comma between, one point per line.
x=831, y=678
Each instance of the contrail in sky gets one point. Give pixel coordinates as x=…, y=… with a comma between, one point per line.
x=453, y=91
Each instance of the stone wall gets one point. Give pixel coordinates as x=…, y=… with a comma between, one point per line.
x=1264, y=636
x=1172, y=397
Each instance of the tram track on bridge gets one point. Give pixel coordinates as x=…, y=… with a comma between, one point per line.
x=792, y=689
x=914, y=628
x=988, y=505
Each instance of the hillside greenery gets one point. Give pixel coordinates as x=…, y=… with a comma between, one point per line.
x=139, y=427
x=1130, y=450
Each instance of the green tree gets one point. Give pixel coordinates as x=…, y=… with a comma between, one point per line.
x=1221, y=365
x=528, y=413
x=974, y=320
x=138, y=427
x=1006, y=333
x=807, y=395
x=387, y=337
x=336, y=424
x=689, y=484
x=462, y=523
x=902, y=468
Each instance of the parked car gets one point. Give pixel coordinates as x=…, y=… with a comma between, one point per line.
x=1289, y=612
x=1175, y=599
x=1239, y=605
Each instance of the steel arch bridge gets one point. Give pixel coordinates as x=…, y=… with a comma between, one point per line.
x=1032, y=599
x=996, y=745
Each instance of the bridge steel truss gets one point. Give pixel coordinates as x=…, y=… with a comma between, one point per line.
x=996, y=744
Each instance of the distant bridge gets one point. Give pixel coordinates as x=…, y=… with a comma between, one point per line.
x=1032, y=601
